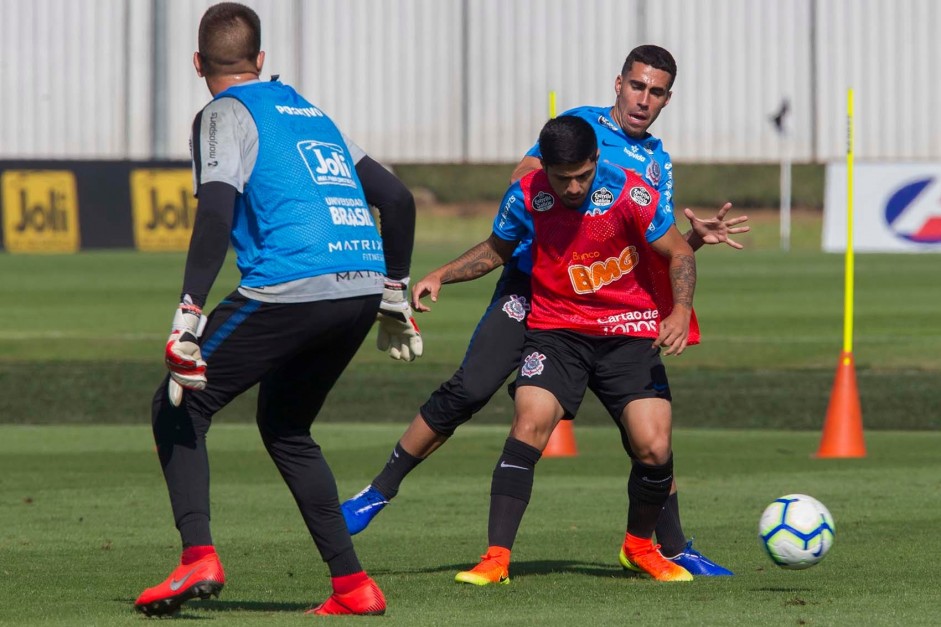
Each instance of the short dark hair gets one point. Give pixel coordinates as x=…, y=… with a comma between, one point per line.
x=567, y=140
x=655, y=57
x=229, y=39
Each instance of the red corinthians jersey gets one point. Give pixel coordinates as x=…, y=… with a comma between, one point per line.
x=593, y=270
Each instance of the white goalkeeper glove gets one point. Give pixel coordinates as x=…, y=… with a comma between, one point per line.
x=182, y=355
x=398, y=331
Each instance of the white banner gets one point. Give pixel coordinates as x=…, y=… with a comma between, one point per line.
x=896, y=207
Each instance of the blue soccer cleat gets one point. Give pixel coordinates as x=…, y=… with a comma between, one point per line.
x=698, y=564
x=359, y=511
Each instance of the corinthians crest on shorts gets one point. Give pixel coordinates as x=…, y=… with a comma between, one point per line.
x=532, y=365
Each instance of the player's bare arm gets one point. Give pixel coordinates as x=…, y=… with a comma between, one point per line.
x=524, y=167
x=674, y=329
x=475, y=263
x=715, y=230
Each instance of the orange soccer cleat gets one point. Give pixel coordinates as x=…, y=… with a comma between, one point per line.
x=494, y=567
x=641, y=554
x=202, y=578
x=366, y=600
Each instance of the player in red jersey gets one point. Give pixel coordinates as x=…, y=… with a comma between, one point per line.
x=612, y=282
x=642, y=90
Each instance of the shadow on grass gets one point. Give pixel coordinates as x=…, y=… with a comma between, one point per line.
x=529, y=568
x=197, y=610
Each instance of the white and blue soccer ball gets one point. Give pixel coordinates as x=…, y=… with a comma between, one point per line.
x=796, y=531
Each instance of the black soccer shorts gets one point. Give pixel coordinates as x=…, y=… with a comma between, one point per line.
x=296, y=351
x=618, y=369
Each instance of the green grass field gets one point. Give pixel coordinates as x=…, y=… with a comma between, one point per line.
x=81, y=337
x=85, y=523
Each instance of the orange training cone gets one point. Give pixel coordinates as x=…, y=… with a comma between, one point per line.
x=843, y=428
x=562, y=441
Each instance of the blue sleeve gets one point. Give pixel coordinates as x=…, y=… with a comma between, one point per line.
x=662, y=219
x=665, y=186
x=513, y=223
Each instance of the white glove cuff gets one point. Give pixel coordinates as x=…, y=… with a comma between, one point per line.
x=189, y=321
x=397, y=283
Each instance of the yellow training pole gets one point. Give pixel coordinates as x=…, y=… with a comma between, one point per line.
x=843, y=428
x=552, y=104
x=849, y=270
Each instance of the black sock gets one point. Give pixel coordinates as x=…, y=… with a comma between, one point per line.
x=399, y=465
x=670, y=534
x=647, y=490
x=344, y=563
x=510, y=490
x=194, y=529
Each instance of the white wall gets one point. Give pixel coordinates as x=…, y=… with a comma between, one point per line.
x=468, y=80
x=63, y=83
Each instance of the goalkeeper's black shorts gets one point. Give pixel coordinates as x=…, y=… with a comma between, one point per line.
x=492, y=355
x=295, y=351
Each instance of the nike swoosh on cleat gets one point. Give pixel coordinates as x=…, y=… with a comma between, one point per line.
x=506, y=465
x=176, y=585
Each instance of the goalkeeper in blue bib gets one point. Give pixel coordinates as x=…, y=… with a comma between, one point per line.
x=276, y=178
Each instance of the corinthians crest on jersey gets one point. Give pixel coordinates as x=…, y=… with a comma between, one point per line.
x=653, y=172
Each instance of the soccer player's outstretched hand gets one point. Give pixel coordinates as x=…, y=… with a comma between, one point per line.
x=674, y=331
x=428, y=286
x=716, y=230
x=398, y=331
x=182, y=355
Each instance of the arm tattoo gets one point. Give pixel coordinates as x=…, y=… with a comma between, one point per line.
x=473, y=264
x=683, y=279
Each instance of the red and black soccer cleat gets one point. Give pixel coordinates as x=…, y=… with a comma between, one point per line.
x=202, y=579
x=366, y=600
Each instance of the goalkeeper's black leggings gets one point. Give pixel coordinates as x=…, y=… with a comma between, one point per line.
x=296, y=352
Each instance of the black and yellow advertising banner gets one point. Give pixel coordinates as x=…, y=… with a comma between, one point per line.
x=164, y=208
x=67, y=206
x=40, y=211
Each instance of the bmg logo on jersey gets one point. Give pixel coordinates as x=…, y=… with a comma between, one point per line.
x=913, y=212
x=163, y=208
x=40, y=211
x=591, y=278
x=326, y=163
